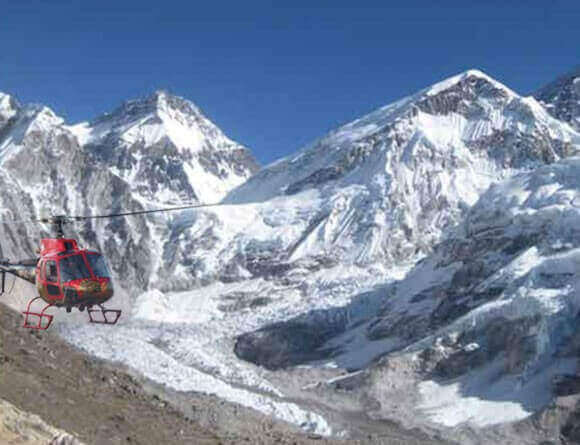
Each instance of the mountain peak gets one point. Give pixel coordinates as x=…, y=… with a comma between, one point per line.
x=468, y=92
x=471, y=75
x=41, y=117
x=8, y=107
x=160, y=94
x=31, y=116
x=5, y=99
x=163, y=97
x=161, y=129
x=157, y=104
x=166, y=101
x=469, y=115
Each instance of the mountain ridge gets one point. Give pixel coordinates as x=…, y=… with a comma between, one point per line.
x=429, y=100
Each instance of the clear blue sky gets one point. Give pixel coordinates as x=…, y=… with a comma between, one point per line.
x=274, y=75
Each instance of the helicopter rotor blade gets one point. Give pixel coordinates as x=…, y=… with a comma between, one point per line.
x=143, y=212
x=63, y=219
x=22, y=221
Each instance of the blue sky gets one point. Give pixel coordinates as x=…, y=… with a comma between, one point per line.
x=274, y=75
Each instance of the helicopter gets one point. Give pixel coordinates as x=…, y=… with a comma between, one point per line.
x=67, y=276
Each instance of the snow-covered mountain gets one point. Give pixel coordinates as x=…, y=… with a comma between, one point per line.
x=167, y=150
x=403, y=173
x=374, y=193
x=363, y=201
x=148, y=153
x=562, y=98
x=481, y=339
x=310, y=262
x=300, y=259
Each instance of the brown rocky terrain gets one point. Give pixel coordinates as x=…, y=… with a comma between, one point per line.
x=18, y=427
x=53, y=393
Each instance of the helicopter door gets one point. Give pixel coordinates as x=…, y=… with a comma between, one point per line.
x=52, y=287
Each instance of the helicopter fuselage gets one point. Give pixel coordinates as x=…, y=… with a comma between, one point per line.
x=71, y=277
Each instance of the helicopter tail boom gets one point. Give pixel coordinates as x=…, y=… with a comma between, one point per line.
x=24, y=269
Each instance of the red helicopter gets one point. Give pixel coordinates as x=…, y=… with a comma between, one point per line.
x=68, y=276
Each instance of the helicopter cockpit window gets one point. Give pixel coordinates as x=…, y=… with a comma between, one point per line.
x=51, y=273
x=73, y=268
x=97, y=263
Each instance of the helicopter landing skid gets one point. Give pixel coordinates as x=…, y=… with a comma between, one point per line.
x=104, y=319
x=40, y=317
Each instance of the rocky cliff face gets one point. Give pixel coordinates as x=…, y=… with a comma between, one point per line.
x=562, y=98
x=491, y=318
x=480, y=335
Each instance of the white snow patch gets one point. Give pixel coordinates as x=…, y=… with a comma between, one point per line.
x=481, y=398
x=445, y=405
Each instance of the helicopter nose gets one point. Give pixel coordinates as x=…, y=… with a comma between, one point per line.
x=90, y=286
x=97, y=287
